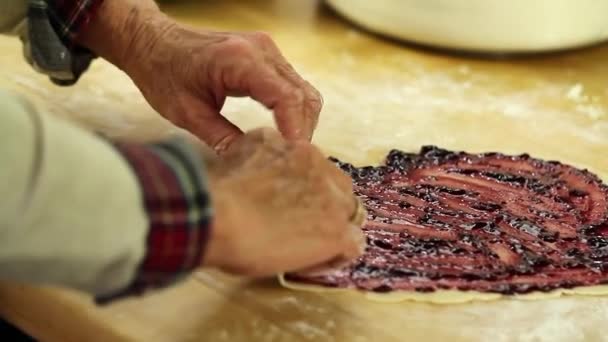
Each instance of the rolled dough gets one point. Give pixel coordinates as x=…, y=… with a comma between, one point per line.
x=447, y=296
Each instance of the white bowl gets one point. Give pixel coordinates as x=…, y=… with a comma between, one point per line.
x=504, y=26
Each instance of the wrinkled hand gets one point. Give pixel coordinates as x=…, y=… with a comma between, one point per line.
x=186, y=75
x=280, y=206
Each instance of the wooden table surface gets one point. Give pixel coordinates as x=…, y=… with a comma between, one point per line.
x=378, y=95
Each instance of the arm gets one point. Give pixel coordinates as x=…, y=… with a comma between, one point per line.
x=115, y=220
x=115, y=233
x=175, y=196
x=186, y=74
x=80, y=212
x=54, y=212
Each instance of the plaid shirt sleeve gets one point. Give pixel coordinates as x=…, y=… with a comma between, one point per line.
x=178, y=207
x=52, y=26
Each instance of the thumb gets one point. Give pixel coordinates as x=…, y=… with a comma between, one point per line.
x=209, y=125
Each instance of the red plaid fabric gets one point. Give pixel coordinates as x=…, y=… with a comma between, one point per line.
x=178, y=208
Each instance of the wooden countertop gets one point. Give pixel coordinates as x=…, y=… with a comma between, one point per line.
x=378, y=95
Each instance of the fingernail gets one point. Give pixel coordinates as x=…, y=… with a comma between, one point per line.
x=222, y=145
x=335, y=265
x=360, y=237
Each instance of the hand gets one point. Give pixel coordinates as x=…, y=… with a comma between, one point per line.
x=186, y=74
x=280, y=206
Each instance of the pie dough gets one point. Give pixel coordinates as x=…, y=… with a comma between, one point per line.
x=446, y=296
x=440, y=296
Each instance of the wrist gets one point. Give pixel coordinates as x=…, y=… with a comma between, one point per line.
x=123, y=30
x=217, y=247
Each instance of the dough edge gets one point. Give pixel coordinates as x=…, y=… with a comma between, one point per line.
x=447, y=296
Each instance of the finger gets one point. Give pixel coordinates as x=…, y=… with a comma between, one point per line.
x=359, y=241
x=262, y=136
x=264, y=142
x=339, y=188
x=312, y=101
x=295, y=109
x=354, y=246
x=332, y=172
x=360, y=216
x=348, y=216
x=263, y=84
x=347, y=205
x=335, y=264
x=329, y=171
x=337, y=183
x=277, y=94
x=353, y=240
x=342, y=180
x=298, y=256
x=209, y=125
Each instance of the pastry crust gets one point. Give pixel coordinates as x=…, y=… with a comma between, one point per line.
x=446, y=296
